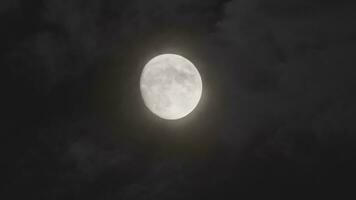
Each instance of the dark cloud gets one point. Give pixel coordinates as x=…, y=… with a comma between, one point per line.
x=291, y=65
x=6, y=6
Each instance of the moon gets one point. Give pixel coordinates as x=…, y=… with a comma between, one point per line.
x=171, y=86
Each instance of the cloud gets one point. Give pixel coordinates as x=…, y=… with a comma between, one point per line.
x=5, y=6
x=290, y=64
x=275, y=56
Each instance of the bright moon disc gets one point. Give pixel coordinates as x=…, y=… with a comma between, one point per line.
x=171, y=86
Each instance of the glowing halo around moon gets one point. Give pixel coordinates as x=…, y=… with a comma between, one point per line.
x=171, y=86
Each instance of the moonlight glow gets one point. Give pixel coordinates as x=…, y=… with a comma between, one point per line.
x=171, y=86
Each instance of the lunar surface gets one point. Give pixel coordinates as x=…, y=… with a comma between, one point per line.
x=171, y=86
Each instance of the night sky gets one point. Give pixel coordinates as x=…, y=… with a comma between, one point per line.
x=277, y=118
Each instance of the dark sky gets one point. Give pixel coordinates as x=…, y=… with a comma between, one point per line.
x=277, y=118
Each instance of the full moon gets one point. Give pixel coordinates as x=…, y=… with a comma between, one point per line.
x=171, y=86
